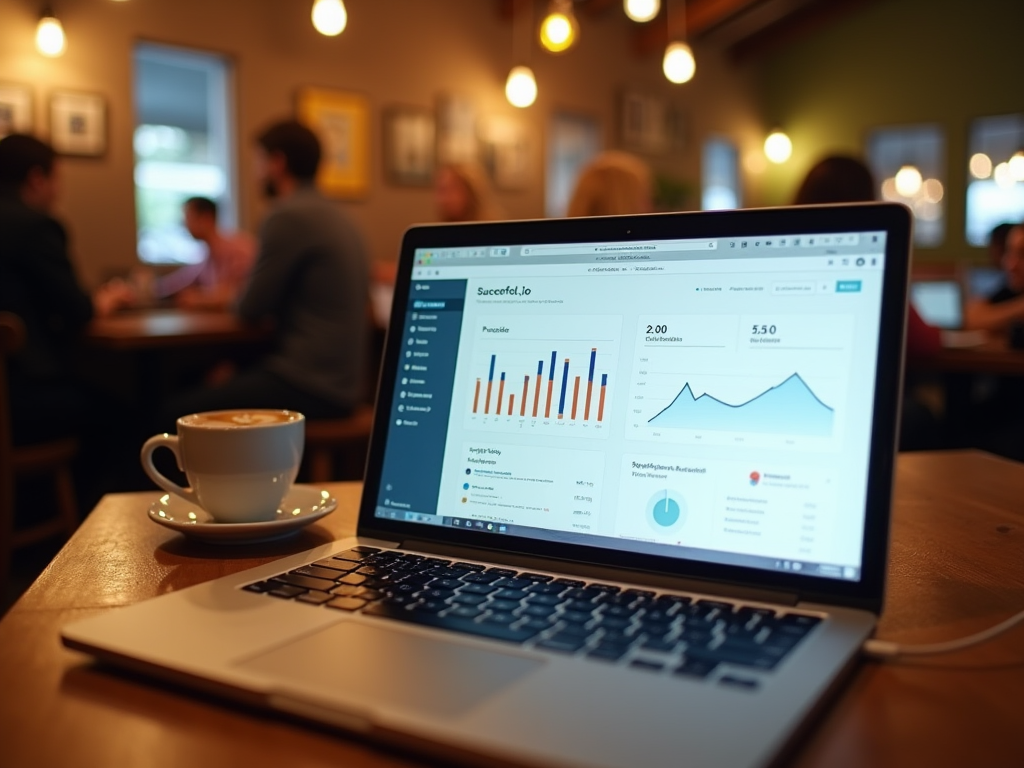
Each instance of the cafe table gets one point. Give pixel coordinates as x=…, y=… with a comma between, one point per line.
x=957, y=567
x=993, y=357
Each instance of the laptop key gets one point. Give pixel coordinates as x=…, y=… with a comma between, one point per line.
x=647, y=664
x=537, y=599
x=465, y=612
x=510, y=594
x=607, y=652
x=562, y=642
x=510, y=583
x=347, y=603
x=314, y=597
x=333, y=564
x=286, y=591
x=477, y=589
x=540, y=611
x=743, y=683
x=306, y=582
x=467, y=599
x=699, y=668
x=455, y=624
x=469, y=566
x=480, y=578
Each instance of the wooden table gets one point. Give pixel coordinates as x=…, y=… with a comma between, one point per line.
x=141, y=330
x=957, y=567
x=993, y=358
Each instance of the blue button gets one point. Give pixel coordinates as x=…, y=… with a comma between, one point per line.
x=847, y=286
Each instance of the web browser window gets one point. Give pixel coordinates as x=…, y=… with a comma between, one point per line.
x=702, y=399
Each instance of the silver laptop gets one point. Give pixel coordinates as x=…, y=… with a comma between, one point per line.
x=626, y=503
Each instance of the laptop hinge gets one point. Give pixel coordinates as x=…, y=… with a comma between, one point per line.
x=605, y=572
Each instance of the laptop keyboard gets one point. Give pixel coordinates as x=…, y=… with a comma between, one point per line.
x=642, y=628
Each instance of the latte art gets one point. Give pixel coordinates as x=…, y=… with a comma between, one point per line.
x=240, y=418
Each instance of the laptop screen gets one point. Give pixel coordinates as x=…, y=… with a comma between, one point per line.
x=702, y=399
x=939, y=302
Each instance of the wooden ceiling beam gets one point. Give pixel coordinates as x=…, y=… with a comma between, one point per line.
x=798, y=25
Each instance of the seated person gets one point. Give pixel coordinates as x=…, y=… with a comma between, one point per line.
x=39, y=285
x=1003, y=310
x=463, y=193
x=217, y=281
x=311, y=280
x=613, y=183
x=843, y=179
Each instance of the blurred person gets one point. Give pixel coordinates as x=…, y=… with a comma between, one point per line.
x=217, y=281
x=845, y=179
x=1003, y=311
x=311, y=281
x=39, y=285
x=462, y=192
x=997, y=243
x=613, y=183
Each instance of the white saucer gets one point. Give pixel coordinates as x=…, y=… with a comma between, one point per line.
x=303, y=505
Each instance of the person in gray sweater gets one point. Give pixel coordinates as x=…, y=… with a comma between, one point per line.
x=311, y=282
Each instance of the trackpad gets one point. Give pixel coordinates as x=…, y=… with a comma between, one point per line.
x=381, y=667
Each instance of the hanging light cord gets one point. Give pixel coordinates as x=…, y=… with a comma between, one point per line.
x=887, y=651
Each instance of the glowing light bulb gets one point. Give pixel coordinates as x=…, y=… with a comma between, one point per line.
x=980, y=165
x=778, y=147
x=641, y=10
x=521, y=87
x=558, y=31
x=329, y=17
x=908, y=181
x=932, y=191
x=1002, y=175
x=1016, y=164
x=679, y=65
x=50, y=40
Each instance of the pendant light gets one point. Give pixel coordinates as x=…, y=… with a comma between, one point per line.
x=521, y=85
x=778, y=147
x=559, y=30
x=329, y=17
x=641, y=10
x=50, y=39
x=678, y=65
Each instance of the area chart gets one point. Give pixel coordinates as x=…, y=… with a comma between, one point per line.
x=789, y=408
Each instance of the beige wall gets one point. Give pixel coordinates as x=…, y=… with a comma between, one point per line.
x=394, y=51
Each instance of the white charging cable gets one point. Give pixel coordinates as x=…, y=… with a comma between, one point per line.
x=885, y=650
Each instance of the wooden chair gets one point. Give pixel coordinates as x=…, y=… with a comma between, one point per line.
x=52, y=457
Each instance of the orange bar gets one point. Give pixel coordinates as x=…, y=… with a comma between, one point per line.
x=600, y=404
x=487, y=400
x=501, y=389
x=511, y=399
x=547, y=407
x=575, y=397
x=526, y=390
x=536, y=397
x=586, y=405
x=476, y=395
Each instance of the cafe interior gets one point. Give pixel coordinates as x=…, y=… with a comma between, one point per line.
x=729, y=103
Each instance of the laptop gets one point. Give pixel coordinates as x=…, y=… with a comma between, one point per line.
x=626, y=501
x=939, y=302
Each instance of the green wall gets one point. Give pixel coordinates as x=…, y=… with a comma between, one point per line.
x=893, y=62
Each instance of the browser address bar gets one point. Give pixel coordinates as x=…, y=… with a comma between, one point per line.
x=619, y=248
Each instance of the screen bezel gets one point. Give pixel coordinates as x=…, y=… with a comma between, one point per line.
x=894, y=219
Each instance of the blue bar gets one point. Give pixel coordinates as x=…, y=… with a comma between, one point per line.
x=604, y=379
x=551, y=373
x=540, y=367
x=490, y=376
x=565, y=380
x=593, y=359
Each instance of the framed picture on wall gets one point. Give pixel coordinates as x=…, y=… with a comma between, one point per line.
x=409, y=145
x=342, y=121
x=78, y=123
x=506, y=152
x=456, y=130
x=15, y=109
x=644, y=123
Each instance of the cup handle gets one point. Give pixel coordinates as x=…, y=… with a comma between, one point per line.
x=170, y=442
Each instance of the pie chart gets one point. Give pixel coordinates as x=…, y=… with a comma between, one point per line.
x=666, y=511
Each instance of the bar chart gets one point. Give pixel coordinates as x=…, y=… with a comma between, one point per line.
x=551, y=376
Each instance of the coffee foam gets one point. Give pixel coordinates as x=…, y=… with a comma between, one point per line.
x=240, y=418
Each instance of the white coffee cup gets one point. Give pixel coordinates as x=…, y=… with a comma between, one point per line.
x=240, y=464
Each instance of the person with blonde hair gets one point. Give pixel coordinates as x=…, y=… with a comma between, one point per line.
x=613, y=183
x=462, y=192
